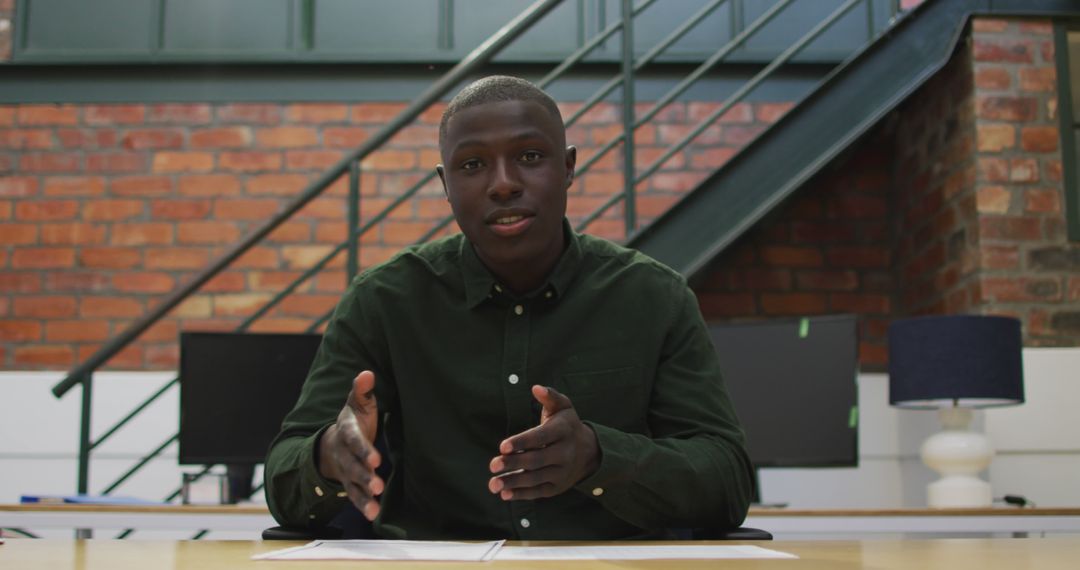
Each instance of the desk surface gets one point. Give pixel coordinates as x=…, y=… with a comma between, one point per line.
x=950, y=554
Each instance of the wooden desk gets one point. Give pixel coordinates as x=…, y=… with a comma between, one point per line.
x=252, y=518
x=946, y=554
x=916, y=521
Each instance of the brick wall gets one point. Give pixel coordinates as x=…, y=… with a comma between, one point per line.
x=106, y=208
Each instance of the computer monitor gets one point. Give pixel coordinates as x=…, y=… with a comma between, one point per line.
x=235, y=388
x=792, y=383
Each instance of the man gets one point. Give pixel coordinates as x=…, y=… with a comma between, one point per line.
x=531, y=383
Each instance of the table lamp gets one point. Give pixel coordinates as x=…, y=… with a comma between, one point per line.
x=954, y=363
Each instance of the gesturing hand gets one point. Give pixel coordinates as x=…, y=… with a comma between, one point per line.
x=548, y=459
x=346, y=451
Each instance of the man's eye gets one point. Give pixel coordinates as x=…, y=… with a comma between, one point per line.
x=531, y=156
x=472, y=164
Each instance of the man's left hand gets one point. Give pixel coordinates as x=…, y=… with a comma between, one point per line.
x=548, y=459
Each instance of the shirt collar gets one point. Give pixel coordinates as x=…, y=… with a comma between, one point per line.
x=479, y=283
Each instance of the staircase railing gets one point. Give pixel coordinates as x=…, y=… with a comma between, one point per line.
x=629, y=66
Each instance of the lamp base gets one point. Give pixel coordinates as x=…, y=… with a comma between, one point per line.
x=959, y=455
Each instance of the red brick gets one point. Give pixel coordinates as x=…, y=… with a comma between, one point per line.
x=19, y=331
x=7, y=112
x=390, y=160
x=317, y=112
x=835, y=280
x=308, y=305
x=77, y=331
x=344, y=137
x=75, y=281
x=989, y=25
x=18, y=186
x=179, y=209
x=45, y=210
x=109, y=257
x=48, y=115
x=998, y=108
x=154, y=233
x=1038, y=79
x=790, y=256
x=250, y=113
x=721, y=305
x=177, y=258
x=995, y=137
x=305, y=256
x=257, y=258
x=858, y=257
x=141, y=185
x=290, y=232
x=143, y=282
x=178, y=113
x=280, y=325
x=377, y=113
x=287, y=137
x=711, y=158
x=18, y=234
x=675, y=181
x=250, y=161
x=999, y=257
x=44, y=355
x=127, y=359
x=771, y=112
x=86, y=139
x=44, y=307
x=74, y=186
x=334, y=232
x=183, y=162
x=1042, y=200
x=274, y=280
x=992, y=78
x=1074, y=288
x=225, y=137
x=6, y=209
x=50, y=162
x=1039, y=139
x=245, y=209
x=116, y=162
x=211, y=185
x=741, y=135
x=860, y=303
x=1019, y=290
x=1010, y=228
x=225, y=282
x=311, y=159
x=1003, y=51
x=26, y=139
x=163, y=356
x=153, y=139
x=1036, y=27
x=993, y=200
x=112, y=210
x=43, y=258
x=1023, y=170
x=239, y=304
x=72, y=234
x=114, y=114
x=276, y=184
x=161, y=331
x=207, y=232
x=792, y=303
x=11, y=282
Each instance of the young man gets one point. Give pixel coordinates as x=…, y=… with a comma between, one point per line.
x=531, y=383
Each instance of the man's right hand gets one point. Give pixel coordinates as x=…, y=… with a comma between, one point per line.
x=346, y=451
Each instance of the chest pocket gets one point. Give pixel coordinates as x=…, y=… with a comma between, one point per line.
x=616, y=397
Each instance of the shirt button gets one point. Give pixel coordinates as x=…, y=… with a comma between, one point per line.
x=498, y=288
x=513, y=379
x=311, y=516
x=525, y=523
x=342, y=494
x=518, y=309
x=547, y=294
x=318, y=490
x=598, y=491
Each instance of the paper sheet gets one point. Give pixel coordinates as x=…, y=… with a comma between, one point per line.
x=483, y=551
x=637, y=552
x=386, y=550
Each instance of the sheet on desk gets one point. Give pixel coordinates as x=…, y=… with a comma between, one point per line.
x=466, y=551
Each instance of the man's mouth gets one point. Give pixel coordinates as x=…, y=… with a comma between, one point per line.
x=507, y=220
x=511, y=224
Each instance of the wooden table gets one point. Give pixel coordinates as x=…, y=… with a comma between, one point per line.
x=946, y=554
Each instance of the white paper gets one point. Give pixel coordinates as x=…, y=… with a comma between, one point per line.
x=386, y=550
x=637, y=552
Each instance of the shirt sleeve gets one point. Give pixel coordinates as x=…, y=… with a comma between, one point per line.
x=296, y=493
x=692, y=469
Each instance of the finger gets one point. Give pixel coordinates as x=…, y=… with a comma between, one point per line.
x=512, y=481
x=530, y=460
x=362, y=394
x=538, y=437
x=551, y=399
x=365, y=503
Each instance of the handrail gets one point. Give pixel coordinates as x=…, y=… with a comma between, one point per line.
x=476, y=58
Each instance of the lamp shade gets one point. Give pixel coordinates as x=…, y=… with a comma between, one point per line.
x=955, y=361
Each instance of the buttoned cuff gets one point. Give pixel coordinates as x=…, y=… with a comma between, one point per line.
x=323, y=497
x=616, y=469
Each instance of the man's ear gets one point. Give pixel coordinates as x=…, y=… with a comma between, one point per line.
x=571, y=162
x=442, y=177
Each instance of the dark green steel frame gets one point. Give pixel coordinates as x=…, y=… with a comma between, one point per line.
x=848, y=103
x=1069, y=131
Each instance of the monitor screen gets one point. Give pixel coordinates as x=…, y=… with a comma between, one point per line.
x=235, y=388
x=793, y=386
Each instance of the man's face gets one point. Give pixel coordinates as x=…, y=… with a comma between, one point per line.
x=506, y=169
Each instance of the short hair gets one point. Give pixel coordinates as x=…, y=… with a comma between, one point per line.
x=493, y=89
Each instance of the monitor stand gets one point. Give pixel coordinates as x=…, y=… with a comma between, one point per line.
x=240, y=477
x=755, y=501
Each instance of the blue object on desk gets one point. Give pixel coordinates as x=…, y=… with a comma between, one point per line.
x=84, y=500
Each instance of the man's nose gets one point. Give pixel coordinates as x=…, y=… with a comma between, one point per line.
x=505, y=181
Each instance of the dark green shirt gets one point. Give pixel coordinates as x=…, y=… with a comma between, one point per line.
x=455, y=355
